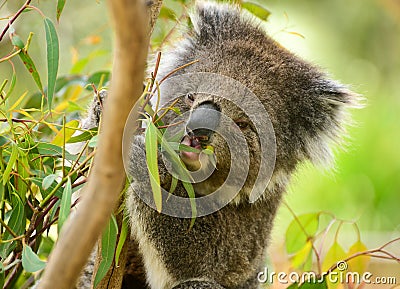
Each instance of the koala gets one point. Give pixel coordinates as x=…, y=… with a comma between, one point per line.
x=304, y=110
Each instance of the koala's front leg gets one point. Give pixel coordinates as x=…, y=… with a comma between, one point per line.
x=198, y=285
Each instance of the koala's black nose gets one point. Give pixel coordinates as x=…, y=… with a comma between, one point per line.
x=203, y=120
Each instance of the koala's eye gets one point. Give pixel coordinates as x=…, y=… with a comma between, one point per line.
x=242, y=124
x=189, y=98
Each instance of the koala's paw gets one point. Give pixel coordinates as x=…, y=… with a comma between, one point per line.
x=198, y=285
x=95, y=109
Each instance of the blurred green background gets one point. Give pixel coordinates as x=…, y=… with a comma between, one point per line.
x=357, y=42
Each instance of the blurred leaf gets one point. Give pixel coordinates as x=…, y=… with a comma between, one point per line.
x=48, y=181
x=303, y=257
x=99, y=78
x=30, y=261
x=108, y=243
x=300, y=230
x=1, y=275
x=151, y=145
x=13, y=81
x=86, y=135
x=28, y=62
x=358, y=264
x=174, y=183
x=122, y=238
x=293, y=286
x=23, y=174
x=17, y=41
x=60, y=7
x=334, y=255
x=16, y=222
x=65, y=205
x=93, y=141
x=52, y=58
x=256, y=10
x=19, y=100
x=317, y=284
x=70, y=129
x=166, y=13
x=10, y=163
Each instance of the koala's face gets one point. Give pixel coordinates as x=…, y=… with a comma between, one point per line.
x=216, y=123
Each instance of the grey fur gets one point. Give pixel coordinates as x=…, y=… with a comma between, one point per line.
x=308, y=111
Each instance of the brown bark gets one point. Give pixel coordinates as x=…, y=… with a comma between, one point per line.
x=101, y=193
x=134, y=273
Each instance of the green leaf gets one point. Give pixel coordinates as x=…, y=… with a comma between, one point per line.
x=23, y=174
x=314, y=284
x=60, y=7
x=30, y=261
x=167, y=13
x=189, y=189
x=86, y=135
x=2, y=277
x=28, y=62
x=256, y=10
x=48, y=149
x=93, y=141
x=65, y=205
x=300, y=230
x=151, y=145
x=45, y=192
x=99, y=79
x=17, y=41
x=293, y=286
x=108, y=243
x=174, y=183
x=52, y=57
x=16, y=222
x=48, y=181
x=10, y=164
x=122, y=238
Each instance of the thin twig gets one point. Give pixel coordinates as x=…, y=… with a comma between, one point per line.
x=14, y=18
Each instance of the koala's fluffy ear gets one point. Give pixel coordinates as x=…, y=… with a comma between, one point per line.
x=330, y=120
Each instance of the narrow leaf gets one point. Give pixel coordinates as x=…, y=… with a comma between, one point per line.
x=86, y=135
x=108, y=243
x=60, y=7
x=122, y=238
x=151, y=145
x=65, y=205
x=16, y=223
x=30, y=261
x=256, y=10
x=2, y=277
x=189, y=189
x=52, y=57
x=11, y=162
x=28, y=62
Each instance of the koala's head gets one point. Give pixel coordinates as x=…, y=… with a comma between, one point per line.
x=306, y=109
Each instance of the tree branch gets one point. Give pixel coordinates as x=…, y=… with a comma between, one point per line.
x=101, y=193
